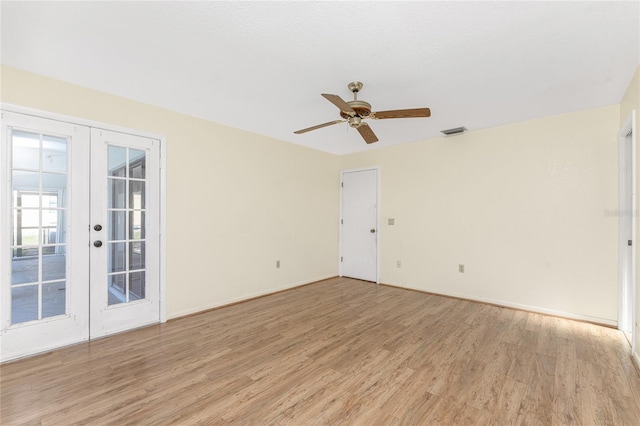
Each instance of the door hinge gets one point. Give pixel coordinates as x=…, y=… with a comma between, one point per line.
x=341, y=222
x=340, y=258
x=342, y=184
x=629, y=243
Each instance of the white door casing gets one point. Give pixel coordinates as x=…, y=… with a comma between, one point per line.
x=359, y=224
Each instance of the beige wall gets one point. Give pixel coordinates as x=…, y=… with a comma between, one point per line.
x=630, y=102
x=521, y=206
x=236, y=201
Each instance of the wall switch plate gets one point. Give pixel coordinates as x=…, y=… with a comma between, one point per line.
x=398, y=264
x=277, y=263
x=461, y=268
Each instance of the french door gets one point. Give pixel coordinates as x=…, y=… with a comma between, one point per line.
x=79, y=253
x=44, y=258
x=124, y=232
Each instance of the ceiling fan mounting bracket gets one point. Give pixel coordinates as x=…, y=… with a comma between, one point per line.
x=355, y=87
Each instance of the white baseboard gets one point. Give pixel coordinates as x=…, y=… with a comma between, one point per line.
x=522, y=307
x=246, y=297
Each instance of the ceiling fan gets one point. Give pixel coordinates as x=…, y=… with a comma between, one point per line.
x=355, y=111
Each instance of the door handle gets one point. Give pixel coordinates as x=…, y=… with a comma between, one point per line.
x=98, y=227
x=373, y=231
x=97, y=243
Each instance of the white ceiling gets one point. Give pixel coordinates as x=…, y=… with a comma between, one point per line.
x=261, y=66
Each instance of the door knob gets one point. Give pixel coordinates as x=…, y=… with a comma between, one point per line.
x=373, y=231
x=97, y=243
x=98, y=227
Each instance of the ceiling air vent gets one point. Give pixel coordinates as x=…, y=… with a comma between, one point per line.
x=454, y=131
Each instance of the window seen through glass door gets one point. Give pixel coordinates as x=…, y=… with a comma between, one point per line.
x=38, y=216
x=126, y=225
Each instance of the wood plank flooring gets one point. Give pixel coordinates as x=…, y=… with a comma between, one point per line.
x=339, y=351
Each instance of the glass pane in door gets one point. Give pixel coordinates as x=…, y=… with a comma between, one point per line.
x=54, y=297
x=24, y=303
x=126, y=181
x=38, y=212
x=26, y=150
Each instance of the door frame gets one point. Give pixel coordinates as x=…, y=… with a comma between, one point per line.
x=624, y=287
x=163, y=180
x=378, y=198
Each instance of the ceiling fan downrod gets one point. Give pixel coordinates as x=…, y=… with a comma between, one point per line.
x=355, y=87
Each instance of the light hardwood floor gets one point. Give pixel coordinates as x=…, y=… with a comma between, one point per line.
x=339, y=351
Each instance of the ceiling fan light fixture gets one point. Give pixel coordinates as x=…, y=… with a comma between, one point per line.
x=355, y=122
x=454, y=131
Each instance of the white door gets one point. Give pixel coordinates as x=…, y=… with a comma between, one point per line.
x=44, y=261
x=359, y=225
x=626, y=221
x=79, y=256
x=124, y=232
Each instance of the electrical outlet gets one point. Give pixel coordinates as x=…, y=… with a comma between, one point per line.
x=391, y=221
x=277, y=263
x=398, y=264
x=461, y=268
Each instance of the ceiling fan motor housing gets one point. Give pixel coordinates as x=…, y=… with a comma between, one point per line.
x=362, y=109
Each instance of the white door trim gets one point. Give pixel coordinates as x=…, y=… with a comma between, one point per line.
x=379, y=237
x=629, y=127
x=163, y=177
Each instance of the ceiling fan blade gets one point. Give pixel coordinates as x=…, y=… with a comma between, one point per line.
x=337, y=101
x=367, y=134
x=403, y=113
x=319, y=126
